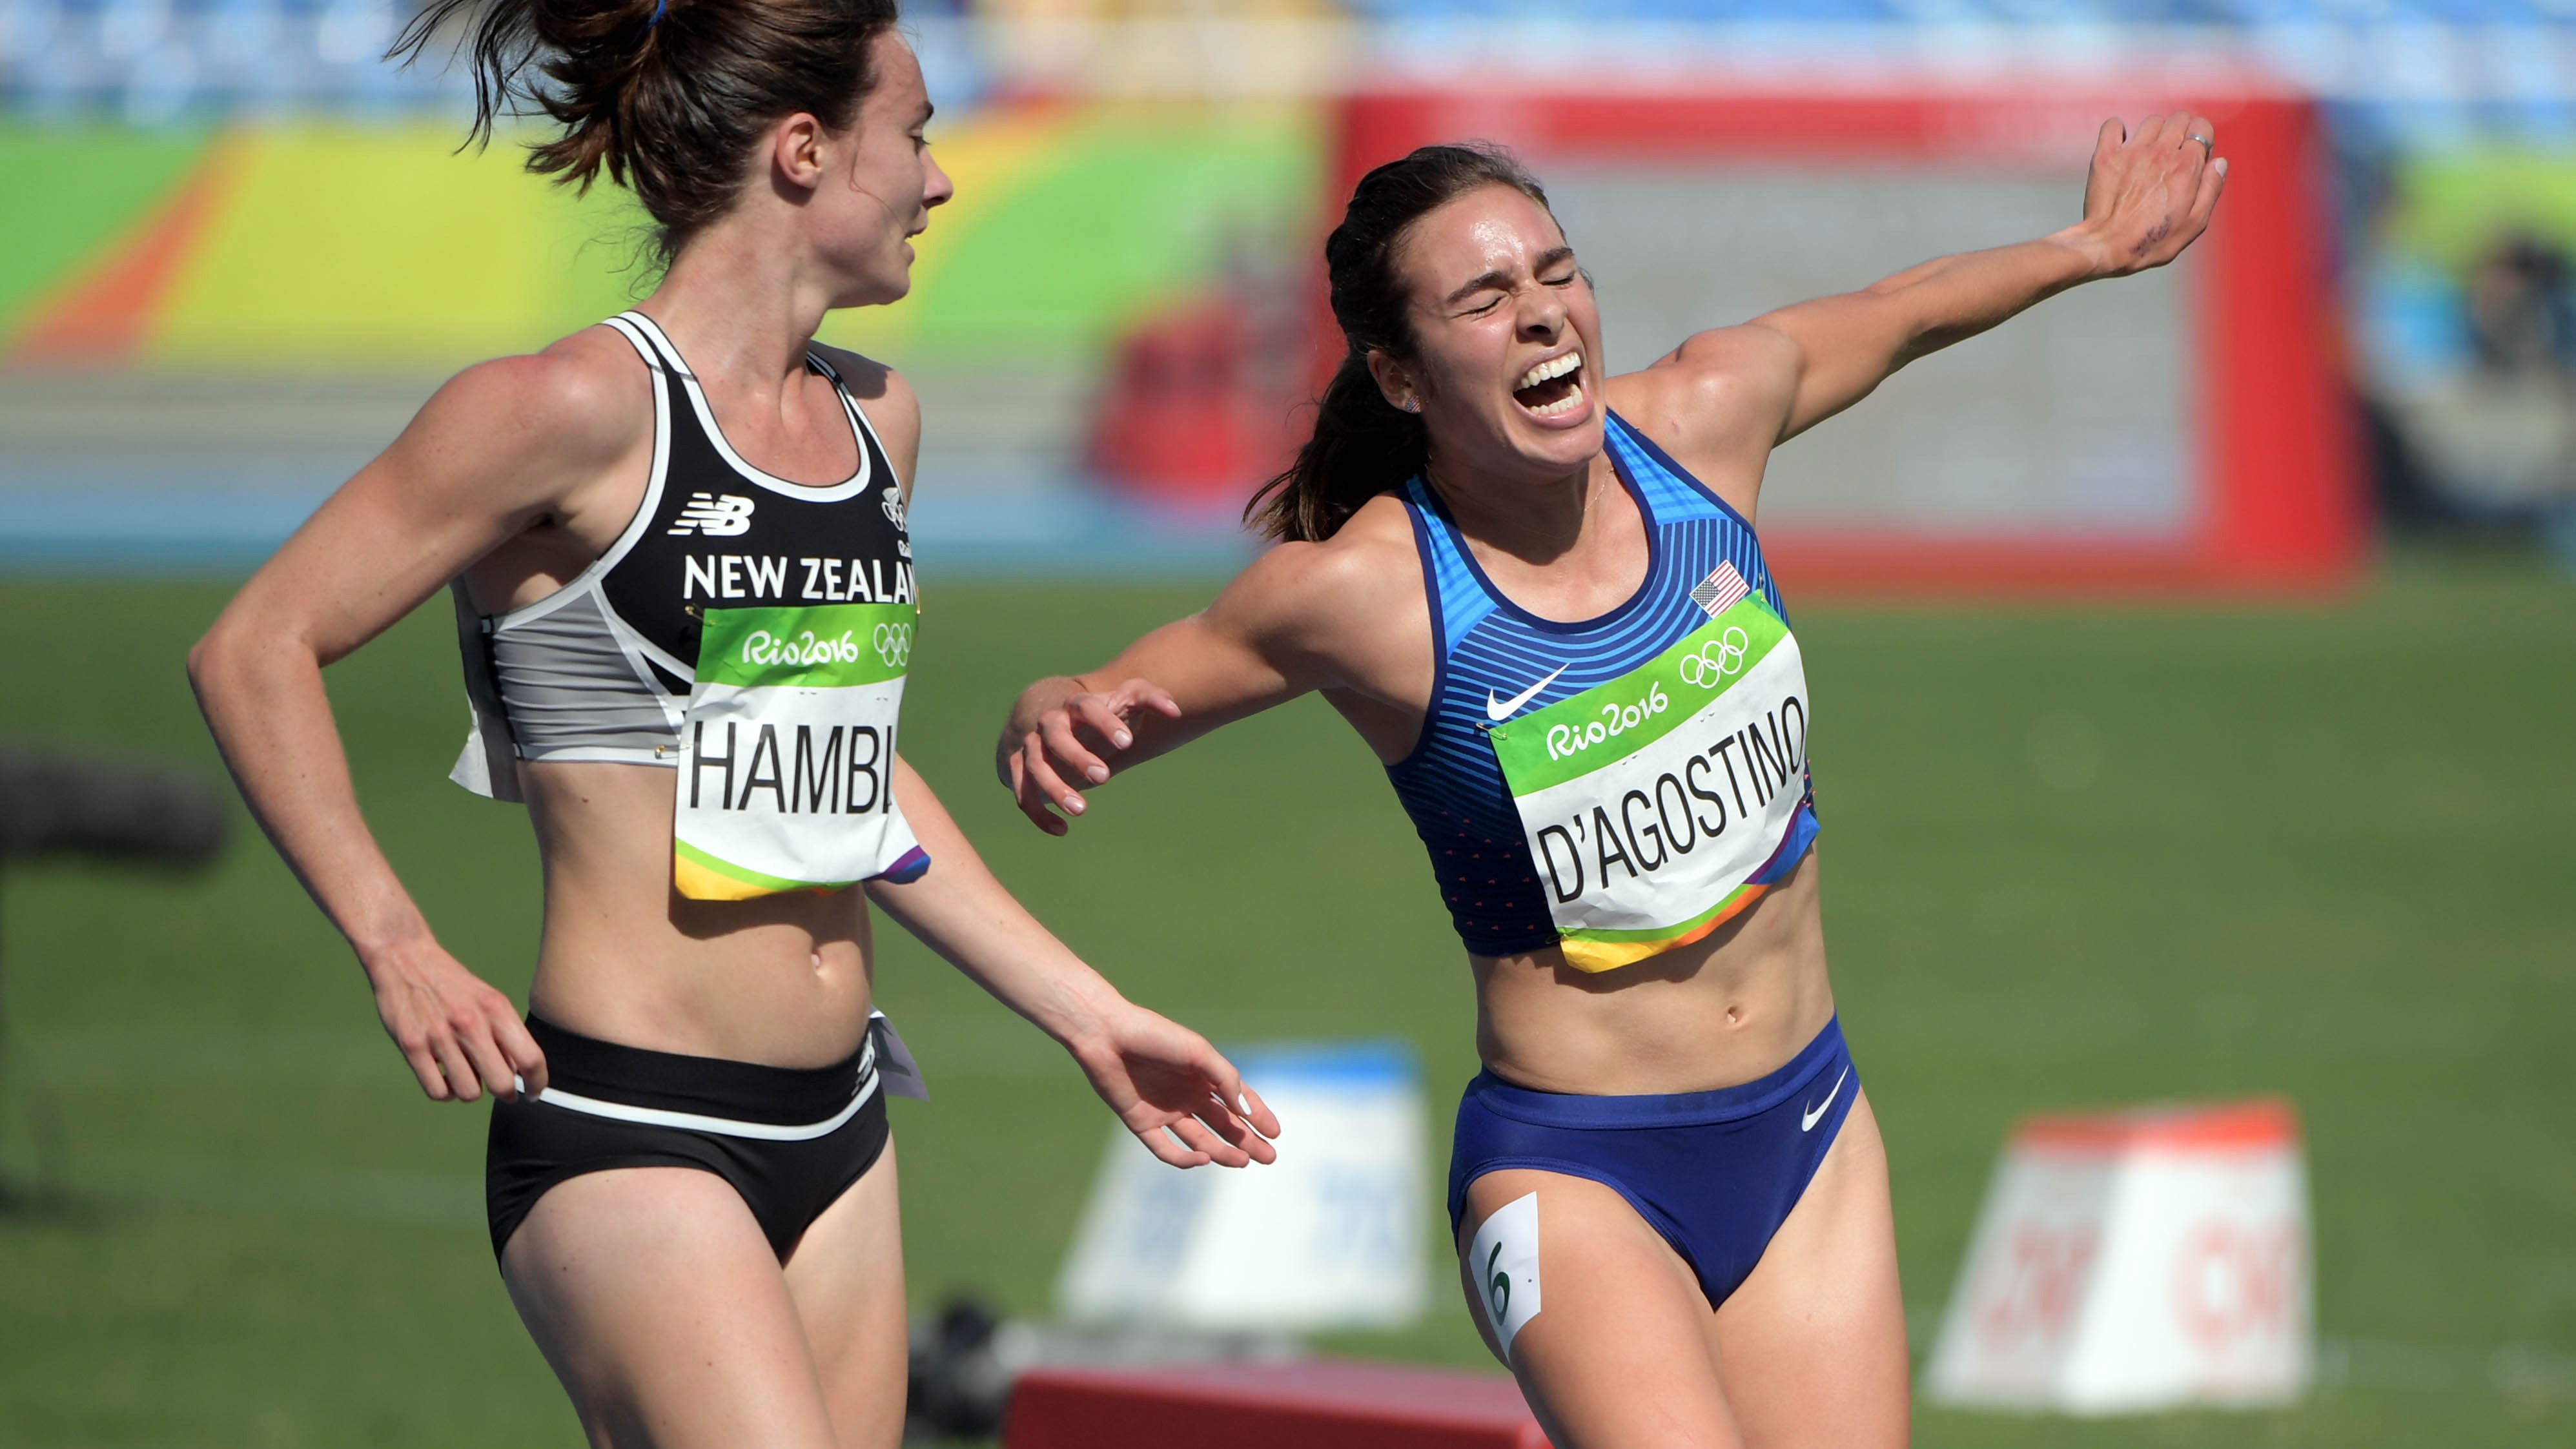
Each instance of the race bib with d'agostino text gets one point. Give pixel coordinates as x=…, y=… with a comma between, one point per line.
x=787, y=752
x=1651, y=800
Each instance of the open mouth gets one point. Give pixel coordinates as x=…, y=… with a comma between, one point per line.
x=1553, y=388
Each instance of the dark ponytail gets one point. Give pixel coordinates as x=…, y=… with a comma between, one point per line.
x=666, y=96
x=1364, y=445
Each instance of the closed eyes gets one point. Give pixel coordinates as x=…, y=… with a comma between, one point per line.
x=1480, y=309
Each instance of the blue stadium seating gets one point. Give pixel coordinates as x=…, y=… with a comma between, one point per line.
x=2406, y=64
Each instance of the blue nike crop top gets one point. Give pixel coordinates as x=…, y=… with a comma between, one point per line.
x=1488, y=649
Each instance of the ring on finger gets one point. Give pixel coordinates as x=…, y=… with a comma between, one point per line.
x=2207, y=143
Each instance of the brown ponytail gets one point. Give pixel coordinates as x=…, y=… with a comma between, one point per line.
x=1364, y=445
x=666, y=96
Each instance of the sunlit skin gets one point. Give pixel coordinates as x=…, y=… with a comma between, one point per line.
x=1810, y=1350
x=652, y=1291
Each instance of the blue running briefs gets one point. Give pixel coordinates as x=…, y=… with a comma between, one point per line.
x=1715, y=1172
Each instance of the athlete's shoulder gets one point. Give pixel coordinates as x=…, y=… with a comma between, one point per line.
x=1721, y=384
x=870, y=381
x=1361, y=559
x=1317, y=591
x=893, y=408
x=582, y=401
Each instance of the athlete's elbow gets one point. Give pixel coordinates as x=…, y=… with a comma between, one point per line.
x=209, y=660
x=218, y=672
x=227, y=663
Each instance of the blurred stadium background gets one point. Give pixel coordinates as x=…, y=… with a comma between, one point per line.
x=2197, y=651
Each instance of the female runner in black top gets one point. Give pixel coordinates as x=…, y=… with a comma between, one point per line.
x=692, y=1194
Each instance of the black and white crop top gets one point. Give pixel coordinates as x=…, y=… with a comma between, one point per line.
x=600, y=670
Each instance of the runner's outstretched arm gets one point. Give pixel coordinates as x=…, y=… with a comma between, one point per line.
x=1276, y=632
x=1162, y=1079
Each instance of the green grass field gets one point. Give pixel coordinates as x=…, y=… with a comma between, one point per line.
x=2322, y=851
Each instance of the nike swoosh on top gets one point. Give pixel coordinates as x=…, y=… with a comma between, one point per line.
x=1816, y=1113
x=1499, y=710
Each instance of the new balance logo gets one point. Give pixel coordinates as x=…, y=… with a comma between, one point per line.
x=717, y=515
x=1722, y=590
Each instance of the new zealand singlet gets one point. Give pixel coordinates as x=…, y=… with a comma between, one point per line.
x=749, y=632
x=1622, y=785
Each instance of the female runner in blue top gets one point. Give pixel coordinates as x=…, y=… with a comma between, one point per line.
x=678, y=547
x=1537, y=593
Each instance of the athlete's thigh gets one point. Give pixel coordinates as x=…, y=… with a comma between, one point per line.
x=846, y=1276
x=1618, y=1354
x=661, y=1307
x=1812, y=1344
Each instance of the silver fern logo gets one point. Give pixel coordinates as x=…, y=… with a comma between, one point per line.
x=717, y=515
x=894, y=504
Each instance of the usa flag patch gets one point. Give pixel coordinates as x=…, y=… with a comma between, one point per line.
x=1722, y=590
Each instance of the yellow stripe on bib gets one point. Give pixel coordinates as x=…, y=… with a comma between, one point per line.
x=1595, y=957
x=701, y=884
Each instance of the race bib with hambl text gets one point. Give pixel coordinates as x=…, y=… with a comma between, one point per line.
x=786, y=777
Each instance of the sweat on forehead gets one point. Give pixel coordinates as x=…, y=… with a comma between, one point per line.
x=1492, y=235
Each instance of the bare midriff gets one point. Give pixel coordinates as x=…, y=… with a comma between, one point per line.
x=1722, y=1011
x=781, y=980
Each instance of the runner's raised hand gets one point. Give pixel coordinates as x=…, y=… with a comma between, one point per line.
x=1071, y=738
x=2150, y=193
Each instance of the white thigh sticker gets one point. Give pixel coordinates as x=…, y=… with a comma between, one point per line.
x=1503, y=1264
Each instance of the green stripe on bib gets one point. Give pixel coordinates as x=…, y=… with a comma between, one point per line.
x=1609, y=722
x=824, y=646
x=756, y=883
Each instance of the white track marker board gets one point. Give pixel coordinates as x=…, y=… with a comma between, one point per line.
x=2136, y=1261
x=1329, y=1236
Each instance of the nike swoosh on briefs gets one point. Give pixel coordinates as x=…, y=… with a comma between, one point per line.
x=1816, y=1114
x=1499, y=710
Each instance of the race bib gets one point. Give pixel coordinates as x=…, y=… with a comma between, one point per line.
x=1649, y=801
x=786, y=779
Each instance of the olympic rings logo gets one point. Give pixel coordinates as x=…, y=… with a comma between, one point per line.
x=894, y=644
x=1705, y=671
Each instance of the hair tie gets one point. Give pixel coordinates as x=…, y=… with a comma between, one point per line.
x=658, y=7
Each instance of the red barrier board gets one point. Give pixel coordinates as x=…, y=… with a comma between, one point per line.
x=1304, y=1405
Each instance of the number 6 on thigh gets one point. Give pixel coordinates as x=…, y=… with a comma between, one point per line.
x=1502, y=1263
